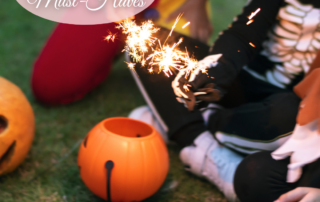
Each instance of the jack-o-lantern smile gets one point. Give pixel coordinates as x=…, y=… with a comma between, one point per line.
x=6, y=156
x=3, y=124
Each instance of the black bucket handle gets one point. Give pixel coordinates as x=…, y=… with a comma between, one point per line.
x=109, y=165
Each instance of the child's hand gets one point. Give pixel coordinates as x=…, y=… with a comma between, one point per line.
x=197, y=85
x=301, y=194
x=195, y=12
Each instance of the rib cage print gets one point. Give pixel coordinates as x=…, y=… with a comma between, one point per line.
x=292, y=43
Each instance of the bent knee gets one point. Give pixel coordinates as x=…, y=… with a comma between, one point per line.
x=260, y=178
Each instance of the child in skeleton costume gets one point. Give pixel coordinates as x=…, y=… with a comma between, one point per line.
x=252, y=69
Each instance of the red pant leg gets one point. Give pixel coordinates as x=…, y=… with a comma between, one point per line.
x=74, y=61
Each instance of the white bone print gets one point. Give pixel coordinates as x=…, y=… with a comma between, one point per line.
x=293, y=43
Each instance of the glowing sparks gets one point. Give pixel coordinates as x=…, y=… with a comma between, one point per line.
x=249, y=22
x=168, y=58
x=110, y=36
x=139, y=38
x=107, y=38
x=143, y=63
x=185, y=25
x=164, y=57
x=254, y=14
x=131, y=65
x=175, y=23
x=251, y=44
x=191, y=64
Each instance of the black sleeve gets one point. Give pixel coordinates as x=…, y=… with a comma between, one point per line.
x=233, y=43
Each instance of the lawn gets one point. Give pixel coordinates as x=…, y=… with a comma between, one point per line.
x=50, y=171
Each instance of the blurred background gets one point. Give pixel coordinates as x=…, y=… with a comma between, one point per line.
x=50, y=172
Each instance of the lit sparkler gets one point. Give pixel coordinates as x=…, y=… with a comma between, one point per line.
x=164, y=58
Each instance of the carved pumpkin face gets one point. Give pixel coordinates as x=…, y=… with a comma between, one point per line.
x=16, y=126
x=122, y=159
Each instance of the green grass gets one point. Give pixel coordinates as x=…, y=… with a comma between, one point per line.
x=58, y=129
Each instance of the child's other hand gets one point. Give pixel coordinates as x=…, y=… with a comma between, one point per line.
x=195, y=12
x=301, y=194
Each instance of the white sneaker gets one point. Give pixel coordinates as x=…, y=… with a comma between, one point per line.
x=144, y=114
x=207, y=159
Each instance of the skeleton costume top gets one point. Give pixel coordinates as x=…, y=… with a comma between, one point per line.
x=286, y=35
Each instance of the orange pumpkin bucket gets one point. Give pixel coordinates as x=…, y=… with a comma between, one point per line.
x=123, y=159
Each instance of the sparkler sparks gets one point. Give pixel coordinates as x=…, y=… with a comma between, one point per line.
x=249, y=22
x=252, y=15
x=143, y=63
x=165, y=58
x=168, y=58
x=131, y=65
x=251, y=44
x=139, y=38
x=150, y=70
x=191, y=64
x=174, y=25
x=110, y=36
x=162, y=57
x=185, y=25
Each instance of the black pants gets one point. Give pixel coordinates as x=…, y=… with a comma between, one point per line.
x=260, y=178
x=255, y=116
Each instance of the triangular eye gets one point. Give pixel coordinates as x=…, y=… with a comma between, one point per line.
x=5, y=158
x=3, y=123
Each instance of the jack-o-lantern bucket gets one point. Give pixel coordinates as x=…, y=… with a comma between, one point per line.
x=16, y=126
x=123, y=159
